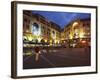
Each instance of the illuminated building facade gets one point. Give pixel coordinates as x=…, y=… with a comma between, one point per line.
x=37, y=29
x=77, y=30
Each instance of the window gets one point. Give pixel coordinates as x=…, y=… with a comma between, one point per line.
x=35, y=29
x=53, y=32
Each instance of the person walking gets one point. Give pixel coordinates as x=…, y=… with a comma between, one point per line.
x=37, y=53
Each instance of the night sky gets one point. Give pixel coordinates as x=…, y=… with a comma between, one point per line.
x=62, y=18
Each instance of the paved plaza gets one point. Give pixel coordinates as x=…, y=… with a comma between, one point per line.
x=58, y=57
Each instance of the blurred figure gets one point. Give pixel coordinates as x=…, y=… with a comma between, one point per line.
x=37, y=50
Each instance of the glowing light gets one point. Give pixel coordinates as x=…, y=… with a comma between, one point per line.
x=62, y=39
x=50, y=41
x=55, y=41
x=71, y=37
x=83, y=42
x=39, y=39
x=81, y=35
x=53, y=35
x=45, y=40
x=58, y=41
x=75, y=23
x=27, y=30
x=34, y=36
x=30, y=38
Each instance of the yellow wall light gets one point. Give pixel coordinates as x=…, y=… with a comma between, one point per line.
x=39, y=39
x=71, y=37
x=30, y=38
x=81, y=35
x=45, y=40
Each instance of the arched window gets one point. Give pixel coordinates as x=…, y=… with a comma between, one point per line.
x=53, y=32
x=42, y=41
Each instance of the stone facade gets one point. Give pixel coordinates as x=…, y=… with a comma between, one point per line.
x=38, y=28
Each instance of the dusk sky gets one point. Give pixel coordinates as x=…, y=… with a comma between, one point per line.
x=62, y=18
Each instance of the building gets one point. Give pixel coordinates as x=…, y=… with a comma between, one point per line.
x=38, y=29
x=76, y=31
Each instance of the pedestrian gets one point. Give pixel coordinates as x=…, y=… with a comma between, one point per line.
x=37, y=49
